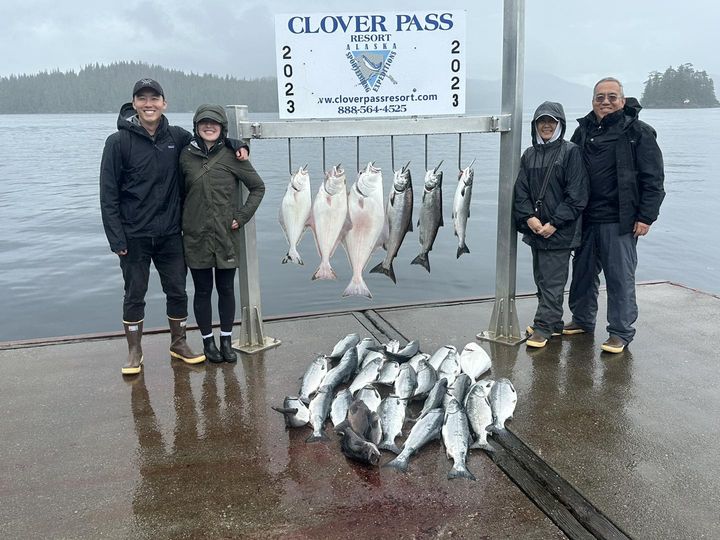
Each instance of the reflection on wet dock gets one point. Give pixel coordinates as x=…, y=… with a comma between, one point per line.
x=601, y=445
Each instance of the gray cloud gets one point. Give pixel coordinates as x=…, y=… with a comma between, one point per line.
x=577, y=41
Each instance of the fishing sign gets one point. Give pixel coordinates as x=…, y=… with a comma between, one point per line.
x=365, y=65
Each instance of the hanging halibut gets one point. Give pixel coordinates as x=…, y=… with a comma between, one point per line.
x=461, y=207
x=398, y=215
x=430, y=215
x=295, y=211
x=367, y=215
x=329, y=219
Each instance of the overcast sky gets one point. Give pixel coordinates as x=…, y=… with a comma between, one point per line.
x=577, y=40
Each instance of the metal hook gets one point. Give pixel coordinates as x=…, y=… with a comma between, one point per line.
x=357, y=153
x=460, y=151
x=323, y=153
x=426, y=148
x=392, y=152
x=290, y=157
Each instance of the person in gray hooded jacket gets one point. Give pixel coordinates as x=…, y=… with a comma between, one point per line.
x=551, y=192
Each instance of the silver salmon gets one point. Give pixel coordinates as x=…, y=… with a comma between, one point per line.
x=430, y=215
x=461, y=207
x=398, y=216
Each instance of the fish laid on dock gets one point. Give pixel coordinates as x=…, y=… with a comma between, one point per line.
x=295, y=212
x=367, y=215
x=461, y=207
x=329, y=219
x=431, y=218
x=398, y=215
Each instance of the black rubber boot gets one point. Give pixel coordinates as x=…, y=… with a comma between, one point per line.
x=211, y=351
x=226, y=349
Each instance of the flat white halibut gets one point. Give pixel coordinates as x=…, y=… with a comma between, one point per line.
x=461, y=207
x=295, y=211
x=329, y=219
x=367, y=216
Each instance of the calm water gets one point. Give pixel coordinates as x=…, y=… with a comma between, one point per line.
x=58, y=277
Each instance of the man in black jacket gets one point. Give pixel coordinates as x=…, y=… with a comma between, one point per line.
x=625, y=167
x=141, y=199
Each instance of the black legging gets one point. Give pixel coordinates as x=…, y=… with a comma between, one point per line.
x=203, y=280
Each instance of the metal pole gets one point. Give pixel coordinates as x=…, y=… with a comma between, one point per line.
x=504, y=327
x=252, y=338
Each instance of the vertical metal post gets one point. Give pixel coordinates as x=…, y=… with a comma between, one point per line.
x=504, y=327
x=252, y=338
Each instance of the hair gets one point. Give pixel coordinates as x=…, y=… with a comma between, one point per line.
x=610, y=79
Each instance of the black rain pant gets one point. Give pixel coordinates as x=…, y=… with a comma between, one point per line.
x=550, y=270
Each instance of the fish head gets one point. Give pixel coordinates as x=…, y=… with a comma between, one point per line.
x=433, y=178
x=453, y=406
x=301, y=179
x=372, y=454
x=334, y=181
x=402, y=179
x=467, y=174
x=369, y=180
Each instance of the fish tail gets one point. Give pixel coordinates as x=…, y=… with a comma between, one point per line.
x=422, y=259
x=315, y=438
x=462, y=249
x=380, y=269
x=391, y=446
x=460, y=472
x=285, y=411
x=399, y=464
x=293, y=256
x=357, y=288
x=324, y=271
x=482, y=444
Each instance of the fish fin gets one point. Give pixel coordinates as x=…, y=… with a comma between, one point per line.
x=380, y=269
x=305, y=400
x=442, y=221
x=341, y=427
x=293, y=256
x=462, y=249
x=357, y=288
x=315, y=438
x=400, y=465
x=392, y=447
x=460, y=473
x=284, y=410
x=324, y=271
x=423, y=259
x=410, y=227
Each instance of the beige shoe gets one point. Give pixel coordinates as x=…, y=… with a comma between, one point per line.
x=572, y=328
x=613, y=345
x=537, y=341
x=530, y=331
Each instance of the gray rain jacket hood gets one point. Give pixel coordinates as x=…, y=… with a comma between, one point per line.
x=548, y=108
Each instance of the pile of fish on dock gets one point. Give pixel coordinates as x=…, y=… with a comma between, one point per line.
x=362, y=222
x=457, y=404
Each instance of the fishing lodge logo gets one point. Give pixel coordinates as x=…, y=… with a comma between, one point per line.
x=371, y=66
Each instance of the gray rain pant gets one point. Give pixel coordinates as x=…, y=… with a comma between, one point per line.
x=550, y=270
x=604, y=249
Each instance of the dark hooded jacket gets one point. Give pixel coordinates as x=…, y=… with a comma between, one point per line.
x=640, y=170
x=140, y=188
x=212, y=179
x=567, y=188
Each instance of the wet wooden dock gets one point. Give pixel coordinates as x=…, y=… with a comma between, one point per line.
x=602, y=445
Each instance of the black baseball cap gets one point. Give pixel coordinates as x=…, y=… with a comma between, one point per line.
x=148, y=83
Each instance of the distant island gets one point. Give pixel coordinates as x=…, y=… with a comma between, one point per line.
x=681, y=88
x=104, y=88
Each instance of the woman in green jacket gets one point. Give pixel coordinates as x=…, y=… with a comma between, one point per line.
x=212, y=217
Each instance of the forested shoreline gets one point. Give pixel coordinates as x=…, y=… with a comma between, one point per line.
x=683, y=87
x=104, y=88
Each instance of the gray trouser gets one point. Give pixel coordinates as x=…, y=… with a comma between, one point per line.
x=550, y=270
x=604, y=249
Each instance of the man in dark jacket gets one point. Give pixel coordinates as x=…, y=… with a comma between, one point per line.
x=140, y=200
x=550, y=194
x=625, y=167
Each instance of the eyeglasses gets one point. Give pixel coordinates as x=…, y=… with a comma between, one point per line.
x=612, y=98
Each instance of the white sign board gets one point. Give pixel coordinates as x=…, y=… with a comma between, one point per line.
x=364, y=65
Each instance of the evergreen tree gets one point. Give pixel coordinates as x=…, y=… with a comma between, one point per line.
x=683, y=87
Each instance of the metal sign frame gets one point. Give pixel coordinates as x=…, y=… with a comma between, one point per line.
x=504, y=327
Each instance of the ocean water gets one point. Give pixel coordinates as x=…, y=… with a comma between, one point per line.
x=58, y=276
